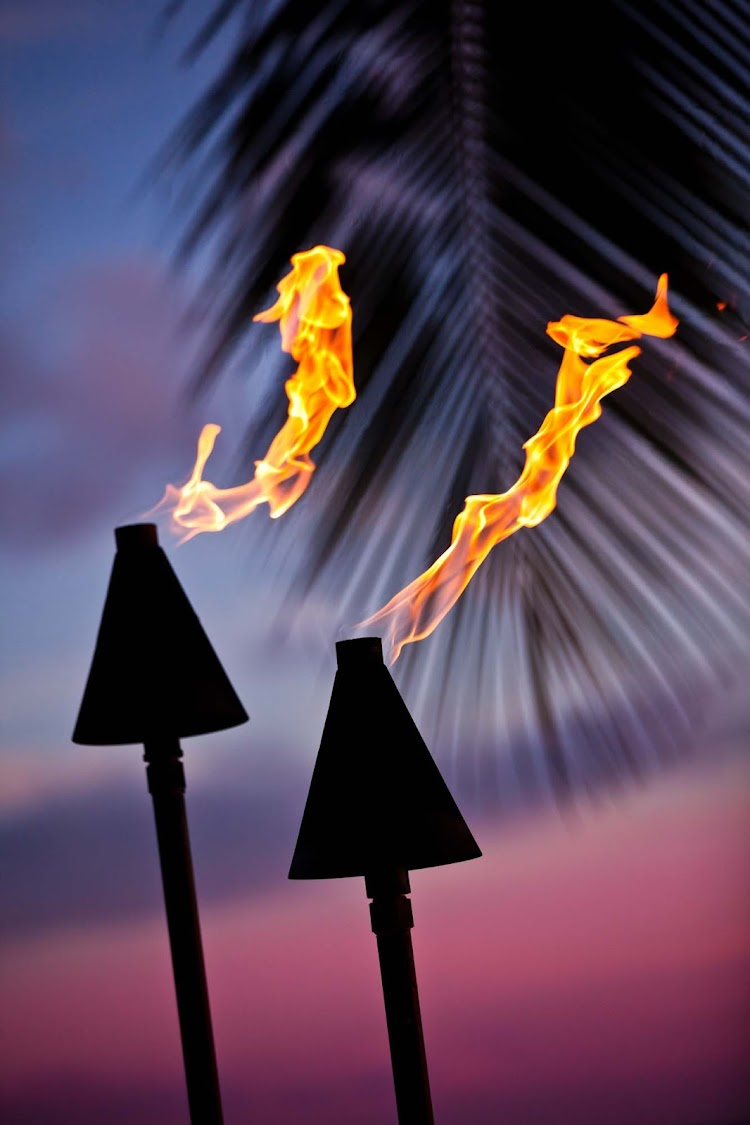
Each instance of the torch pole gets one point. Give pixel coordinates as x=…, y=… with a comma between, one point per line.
x=392, y=921
x=166, y=784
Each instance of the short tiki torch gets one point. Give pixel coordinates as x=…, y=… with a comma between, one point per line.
x=378, y=807
x=155, y=679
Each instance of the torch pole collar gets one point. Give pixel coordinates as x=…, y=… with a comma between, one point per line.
x=165, y=772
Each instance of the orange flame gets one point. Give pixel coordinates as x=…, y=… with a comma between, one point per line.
x=486, y=520
x=315, y=323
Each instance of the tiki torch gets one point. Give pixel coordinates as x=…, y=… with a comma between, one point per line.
x=378, y=807
x=154, y=679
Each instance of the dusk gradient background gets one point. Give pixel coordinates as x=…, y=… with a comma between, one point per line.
x=592, y=968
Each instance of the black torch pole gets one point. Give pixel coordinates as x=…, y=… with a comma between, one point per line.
x=166, y=784
x=392, y=921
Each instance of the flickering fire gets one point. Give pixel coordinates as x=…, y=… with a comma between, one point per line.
x=315, y=321
x=486, y=520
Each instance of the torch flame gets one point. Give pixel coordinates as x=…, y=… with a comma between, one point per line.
x=486, y=520
x=315, y=321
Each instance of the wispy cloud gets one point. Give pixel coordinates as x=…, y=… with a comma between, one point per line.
x=93, y=404
x=87, y=854
x=47, y=21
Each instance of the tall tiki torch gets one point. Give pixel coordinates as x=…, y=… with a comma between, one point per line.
x=378, y=807
x=155, y=679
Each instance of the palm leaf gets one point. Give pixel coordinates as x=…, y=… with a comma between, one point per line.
x=487, y=168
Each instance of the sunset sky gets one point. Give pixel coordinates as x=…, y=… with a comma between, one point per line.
x=592, y=967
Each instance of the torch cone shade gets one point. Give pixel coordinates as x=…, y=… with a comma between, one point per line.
x=377, y=800
x=154, y=672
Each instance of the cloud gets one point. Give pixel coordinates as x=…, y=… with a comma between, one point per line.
x=90, y=856
x=35, y=22
x=31, y=779
x=92, y=408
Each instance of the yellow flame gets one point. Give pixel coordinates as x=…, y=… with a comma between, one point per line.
x=486, y=520
x=315, y=321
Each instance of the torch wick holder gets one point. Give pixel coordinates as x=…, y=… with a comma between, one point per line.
x=166, y=784
x=392, y=920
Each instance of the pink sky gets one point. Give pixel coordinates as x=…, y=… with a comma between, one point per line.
x=591, y=973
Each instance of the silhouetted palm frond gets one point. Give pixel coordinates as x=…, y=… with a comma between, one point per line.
x=487, y=168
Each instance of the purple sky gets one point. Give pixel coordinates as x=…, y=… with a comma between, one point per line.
x=580, y=972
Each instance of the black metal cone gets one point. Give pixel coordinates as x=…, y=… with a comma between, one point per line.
x=377, y=799
x=154, y=672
